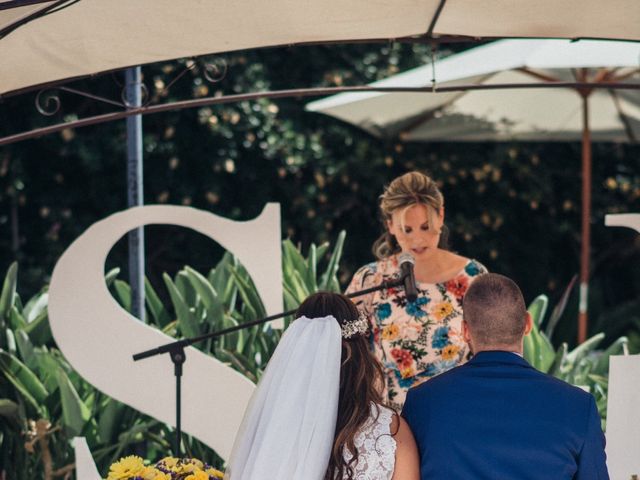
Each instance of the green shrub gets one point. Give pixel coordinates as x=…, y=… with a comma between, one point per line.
x=584, y=366
x=44, y=403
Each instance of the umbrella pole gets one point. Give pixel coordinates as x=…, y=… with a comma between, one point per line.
x=586, y=220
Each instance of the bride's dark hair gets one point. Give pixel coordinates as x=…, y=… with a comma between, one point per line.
x=361, y=380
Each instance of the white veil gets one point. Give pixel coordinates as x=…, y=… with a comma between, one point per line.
x=288, y=428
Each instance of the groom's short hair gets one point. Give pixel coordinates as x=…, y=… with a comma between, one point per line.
x=494, y=310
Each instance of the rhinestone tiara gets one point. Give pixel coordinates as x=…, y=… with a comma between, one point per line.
x=360, y=326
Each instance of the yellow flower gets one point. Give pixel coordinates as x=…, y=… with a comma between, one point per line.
x=151, y=473
x=215, y=473
x=390, y=332
x=407, y=372
x=199, y=475
x=160, y=476
x=188, y=468
x=194, y=461
x=442, y=310
x=449, y=352
x=169, y=462
x=125, y=468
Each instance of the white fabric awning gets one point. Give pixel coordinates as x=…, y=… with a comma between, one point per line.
x=92, y=36
x=499, y=115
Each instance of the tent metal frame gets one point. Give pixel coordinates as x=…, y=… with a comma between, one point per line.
x=289, y=93
x=53, y=7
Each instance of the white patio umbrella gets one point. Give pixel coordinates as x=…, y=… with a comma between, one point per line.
x=527, y=114
x=83, y=37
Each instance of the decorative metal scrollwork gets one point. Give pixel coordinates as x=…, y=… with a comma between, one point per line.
x=48, y=101
x=48, y=105
x=144, y=100
x=214, y=70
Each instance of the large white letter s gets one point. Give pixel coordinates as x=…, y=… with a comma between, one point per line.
x=99, y=338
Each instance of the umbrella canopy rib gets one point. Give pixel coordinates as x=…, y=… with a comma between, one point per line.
x=623, y=117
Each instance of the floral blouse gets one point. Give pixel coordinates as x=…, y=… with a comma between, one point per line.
x=414, y=340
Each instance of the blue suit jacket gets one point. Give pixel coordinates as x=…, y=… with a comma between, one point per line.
x=498, y=418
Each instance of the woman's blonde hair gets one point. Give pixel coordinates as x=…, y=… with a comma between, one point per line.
x=413, y=188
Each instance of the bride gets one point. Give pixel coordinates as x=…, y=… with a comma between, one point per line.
x=317, y=413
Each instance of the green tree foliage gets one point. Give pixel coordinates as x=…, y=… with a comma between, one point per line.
x=516, y=208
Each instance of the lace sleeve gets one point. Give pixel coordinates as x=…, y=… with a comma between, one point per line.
x=376, y=447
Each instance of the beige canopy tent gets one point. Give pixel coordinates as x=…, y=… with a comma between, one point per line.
x=49, y=41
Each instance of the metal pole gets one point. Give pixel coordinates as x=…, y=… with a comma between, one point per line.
x=178, y=358
x=135, y=192
x=586, y=221
x=290, y=93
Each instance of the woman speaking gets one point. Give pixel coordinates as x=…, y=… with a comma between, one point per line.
x=415, y=340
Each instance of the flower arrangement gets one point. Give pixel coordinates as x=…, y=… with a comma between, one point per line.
x=169, y=468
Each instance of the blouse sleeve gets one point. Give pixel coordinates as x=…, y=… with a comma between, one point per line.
x=474, y=268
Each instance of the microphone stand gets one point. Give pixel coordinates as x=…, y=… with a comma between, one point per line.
x=178, y=357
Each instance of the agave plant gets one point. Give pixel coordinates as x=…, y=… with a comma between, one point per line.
x=44, y=403
x=225, y=297
x=584, y=366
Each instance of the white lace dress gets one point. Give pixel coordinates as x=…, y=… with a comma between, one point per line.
x=376, y=447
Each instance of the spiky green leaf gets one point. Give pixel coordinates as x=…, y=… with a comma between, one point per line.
x=159, y=314
x=123, y=294
x=75, y=413
x=328, y=278
x=8, y=294
x=24, y=380
x=187, y=322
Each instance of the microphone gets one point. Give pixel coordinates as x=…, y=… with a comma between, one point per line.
x=407, y=262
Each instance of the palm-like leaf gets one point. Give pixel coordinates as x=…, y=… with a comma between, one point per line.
x=8, y=293
x=24, y=380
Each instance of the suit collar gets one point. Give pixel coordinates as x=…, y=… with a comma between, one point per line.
x=498, y=356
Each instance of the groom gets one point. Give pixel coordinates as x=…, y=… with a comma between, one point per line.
x=496, y=417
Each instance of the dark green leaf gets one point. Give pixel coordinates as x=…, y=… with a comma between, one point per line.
x=123, y=294
x=39, y=330
x=36, y=305
x=154, y=304
x=328, y=279
x=24, y=380
x=75, y=413
x=111, y=275
x=8, y=294
x=187, y=321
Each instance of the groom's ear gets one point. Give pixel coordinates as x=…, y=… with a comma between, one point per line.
x=528, y=324
x=465, y=332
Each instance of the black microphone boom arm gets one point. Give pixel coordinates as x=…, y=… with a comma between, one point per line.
x=178, y=357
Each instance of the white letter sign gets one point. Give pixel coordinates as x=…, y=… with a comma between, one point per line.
x=623, y=416
x=99, y=338
x=630, y=220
